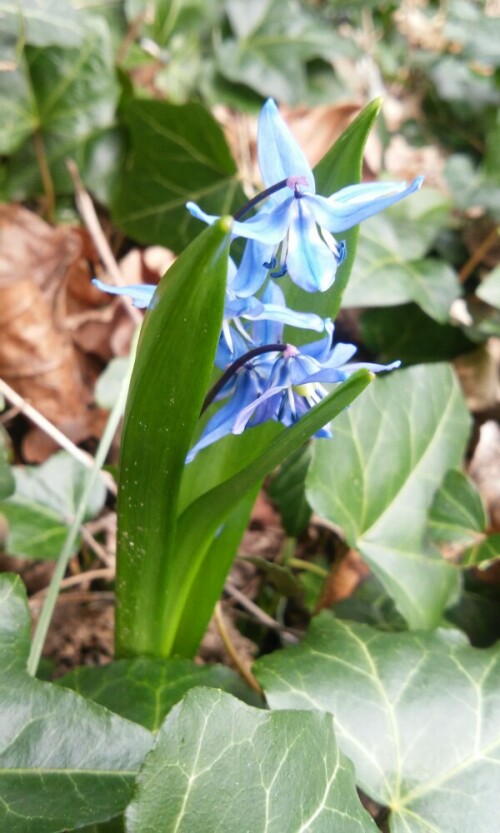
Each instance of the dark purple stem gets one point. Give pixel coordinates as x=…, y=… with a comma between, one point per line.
x=235, y=366
x=261, y=196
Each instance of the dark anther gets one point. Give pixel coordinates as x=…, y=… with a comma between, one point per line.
x=280, y=272
x=342, y=252
x=270, y=264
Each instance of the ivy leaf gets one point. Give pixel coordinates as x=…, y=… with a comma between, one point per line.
x=64, y=762
x=144, y=689
x=44, y=503
x=57, y=104
x=179, y=153
x=382, y=274
x=457, y=512
x=489, y=289
x=271, y=58
x=408, y=334
x=221, y=765
x=484, y=553
x=7, y=482
x=286, y=489
x=377, y=476
x=416, y=713
x=46, y=23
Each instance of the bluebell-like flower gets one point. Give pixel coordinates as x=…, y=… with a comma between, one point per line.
x=295, y=382
x=141, y=293
x=282, y=386
x=271, y=307
x=293, y=231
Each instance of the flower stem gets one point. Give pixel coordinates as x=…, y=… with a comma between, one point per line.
x=71, y=538
x=239, y=362
x=259, y=197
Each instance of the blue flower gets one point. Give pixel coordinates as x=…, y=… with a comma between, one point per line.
x=141, y=294
x=292, y=233
x=282, y=386
x=295, y=382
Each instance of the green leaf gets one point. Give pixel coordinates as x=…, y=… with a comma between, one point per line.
x=7, y=482
x=109, y=383
x=484, y=553
x=383, y=275
x=43, y=22
x=220, y=765
x=56, y=105
x=377, y=476
x=457, y=512
x=179, y=153
x=340, y=166
x=408, y=334
x=170, y=378
x=489, y=289
x=272, y=56
x=416, y=713
x=371, y=605
x=144, y=690
x=417, y=222
x=286, y=490
x=472, y=187
x=477, y=33
x=64, y=762
x=202, y=523
x=44, y=503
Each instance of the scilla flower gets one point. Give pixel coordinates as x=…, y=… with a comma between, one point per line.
x=292, y=232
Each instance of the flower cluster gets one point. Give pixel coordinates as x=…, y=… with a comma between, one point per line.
x=290, y=233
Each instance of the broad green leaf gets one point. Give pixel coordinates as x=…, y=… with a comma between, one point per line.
x=221, y=765
x=286, y=489
x=477, y=612
x=457, y=512
x=477, y=33
x=408, y=334
x=340, y=166
x=44, y=503
x=43, y=22
x=179, y=153
x=418, y=714
x=472, y=187
x=144, y=690
x=370, y=604
x=170, y=378
x=200, y=527
x=56, y=105
x=281, y=577
x=7, y=482
x=418, y=220
x=377, y=476
x=489, y=289
x=484, y=553
x=383, y=275
x=109, y=383
x=64, y=762
x=116, y=825
x=272, y=57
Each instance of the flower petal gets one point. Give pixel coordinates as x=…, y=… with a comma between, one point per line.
x=310, y=262
x=251, y=272
x=141, y=294
x=350, y=206
x=266, y=226
x=221, y=424
x=280, y=157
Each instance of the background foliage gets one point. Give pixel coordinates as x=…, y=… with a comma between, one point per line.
x=153, y=101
